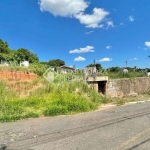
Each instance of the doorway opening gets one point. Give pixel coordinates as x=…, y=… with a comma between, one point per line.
x=102, y=87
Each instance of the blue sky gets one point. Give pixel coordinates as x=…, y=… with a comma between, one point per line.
x=79, y=31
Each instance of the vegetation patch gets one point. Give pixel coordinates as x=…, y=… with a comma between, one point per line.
x=49, y=100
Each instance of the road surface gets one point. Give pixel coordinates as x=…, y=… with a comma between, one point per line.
x=114, y=128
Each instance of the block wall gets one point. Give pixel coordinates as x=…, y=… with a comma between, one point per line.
x=125, y=87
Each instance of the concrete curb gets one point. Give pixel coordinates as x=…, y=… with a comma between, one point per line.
x=129, y=103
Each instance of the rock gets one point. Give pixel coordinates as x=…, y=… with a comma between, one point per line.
x=3, y=147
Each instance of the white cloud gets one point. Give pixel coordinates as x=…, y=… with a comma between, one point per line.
x=79, y=59
x=131, y=18
x=104, y=59
x=89, y=32
x=108, y=47
x=94, y=20
x=110, y=24
x=83, y=50
x=147, y=44
x=76, y=9
x=63, y=7
x=134, y=58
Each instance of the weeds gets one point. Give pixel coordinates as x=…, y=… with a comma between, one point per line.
x=148, y=92
x=120, y=102
x=50, y=100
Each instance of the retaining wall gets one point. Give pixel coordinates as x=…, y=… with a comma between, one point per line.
x=125, y=87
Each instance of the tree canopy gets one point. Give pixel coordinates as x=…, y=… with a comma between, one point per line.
x=4, y=50
x=56, y=63
x=22, y=54
x=4, y=47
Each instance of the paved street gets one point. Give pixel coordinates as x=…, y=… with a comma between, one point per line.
x=114, y=128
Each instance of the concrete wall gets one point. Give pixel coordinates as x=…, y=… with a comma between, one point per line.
x=124, y=87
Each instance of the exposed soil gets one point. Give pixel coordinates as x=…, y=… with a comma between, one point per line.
x=23, y=83
x=17, y=75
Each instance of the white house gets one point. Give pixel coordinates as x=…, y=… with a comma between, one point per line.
x=65, y=69
x=24, y=63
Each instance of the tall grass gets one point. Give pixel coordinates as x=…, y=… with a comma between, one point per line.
x=50, y=100
x=119, y=74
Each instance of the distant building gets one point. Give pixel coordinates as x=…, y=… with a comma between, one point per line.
x=24, y=63
x=4, y=63
x=65, y=69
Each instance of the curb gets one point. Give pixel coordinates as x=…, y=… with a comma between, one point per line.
x=129, y=103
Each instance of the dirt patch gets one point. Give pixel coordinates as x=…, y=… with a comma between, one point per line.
x=17, y=75
x=23, y=83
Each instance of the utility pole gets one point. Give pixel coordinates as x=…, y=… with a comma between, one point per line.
x=94, y=62
x=149, y=56
x=135, y=67
x=126, y=64
x=94, y=73
x=74, y=66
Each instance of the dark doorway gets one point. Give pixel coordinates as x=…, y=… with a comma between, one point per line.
x=102, y=87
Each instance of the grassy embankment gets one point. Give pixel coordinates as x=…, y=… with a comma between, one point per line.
x=49, y=100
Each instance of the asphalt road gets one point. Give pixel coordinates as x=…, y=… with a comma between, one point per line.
x=114, y=128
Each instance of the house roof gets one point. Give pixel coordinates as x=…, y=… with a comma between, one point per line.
x=66, y=67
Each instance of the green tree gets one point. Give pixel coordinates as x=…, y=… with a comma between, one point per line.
x=56, y=63
x=4, y=47
x=44, y=62
x=16, y=56
x=4, y=50
x=23, y=54
x=114, y=69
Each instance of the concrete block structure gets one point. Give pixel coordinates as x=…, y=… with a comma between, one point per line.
x=99, y=83
x=119, y=87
